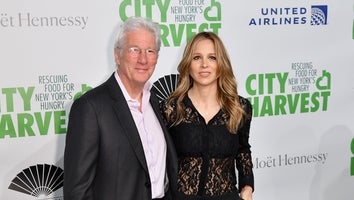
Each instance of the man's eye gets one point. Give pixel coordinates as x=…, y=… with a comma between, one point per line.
x=136, y=50
x=150, y=51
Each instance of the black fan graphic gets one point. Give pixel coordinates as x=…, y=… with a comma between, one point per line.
x=41, y=179
x=165, y=85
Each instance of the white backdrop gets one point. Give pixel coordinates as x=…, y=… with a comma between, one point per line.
x=293, y=60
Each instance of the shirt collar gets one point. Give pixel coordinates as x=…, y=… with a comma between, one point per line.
x=133, y=102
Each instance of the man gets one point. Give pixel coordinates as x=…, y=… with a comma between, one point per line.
x=117, y=147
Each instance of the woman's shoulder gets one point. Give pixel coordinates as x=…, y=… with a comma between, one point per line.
x=243, y=100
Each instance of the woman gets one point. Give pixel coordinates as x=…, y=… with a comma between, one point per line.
x=209, y=124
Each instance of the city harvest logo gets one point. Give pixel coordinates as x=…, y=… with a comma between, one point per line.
x=40, y=181
x=179, y=20
x=38, y=110
x=280, y=16
x=303, y=89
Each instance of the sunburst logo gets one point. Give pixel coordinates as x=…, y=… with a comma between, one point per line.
x=38, y=180
x=164, y=86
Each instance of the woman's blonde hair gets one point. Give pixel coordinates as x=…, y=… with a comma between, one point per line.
x=227, y=87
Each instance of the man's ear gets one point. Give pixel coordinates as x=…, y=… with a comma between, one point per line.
x=116, y=56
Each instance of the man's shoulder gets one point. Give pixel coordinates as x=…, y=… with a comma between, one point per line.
x=95, y=92
x=99, y=92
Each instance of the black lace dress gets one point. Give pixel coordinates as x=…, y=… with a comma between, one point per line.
x=209, y=153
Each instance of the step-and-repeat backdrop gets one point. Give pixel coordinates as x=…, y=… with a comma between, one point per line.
x=294, y=60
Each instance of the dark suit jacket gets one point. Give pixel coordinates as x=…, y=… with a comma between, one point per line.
x=104, y=157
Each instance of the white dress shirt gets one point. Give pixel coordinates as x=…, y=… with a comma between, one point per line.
x=151, y=135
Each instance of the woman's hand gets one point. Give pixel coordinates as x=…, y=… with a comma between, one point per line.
x=246, y=193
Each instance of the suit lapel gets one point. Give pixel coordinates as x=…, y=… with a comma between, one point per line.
x=171, y=153
x=126, y=119
x=155, y=106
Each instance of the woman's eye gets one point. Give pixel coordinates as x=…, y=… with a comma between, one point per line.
x=196, y=57
x=212, y=58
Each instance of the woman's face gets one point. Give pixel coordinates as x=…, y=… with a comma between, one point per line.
x=203, y=68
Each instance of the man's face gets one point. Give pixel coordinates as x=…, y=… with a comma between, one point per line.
x=138, y=59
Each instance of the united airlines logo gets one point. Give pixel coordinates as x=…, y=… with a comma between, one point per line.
x=291, y=16
x=319, y=15
x=39, y=180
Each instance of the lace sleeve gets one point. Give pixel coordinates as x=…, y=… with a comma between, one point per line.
x=244, y=159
